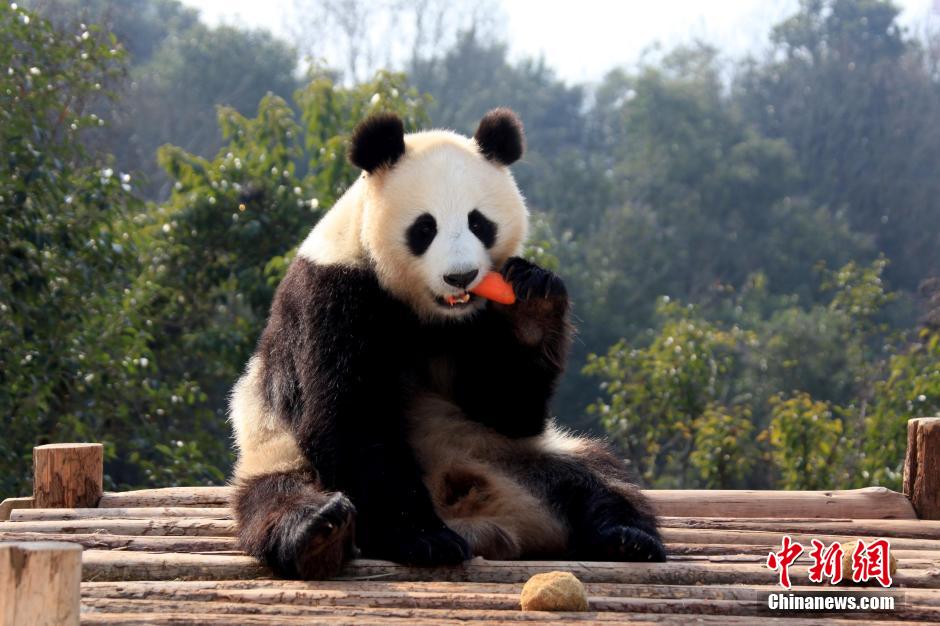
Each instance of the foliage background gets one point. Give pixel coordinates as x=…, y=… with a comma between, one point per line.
x=752, y=248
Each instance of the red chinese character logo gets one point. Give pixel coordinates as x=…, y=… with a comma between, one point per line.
x=782, y=560
x=827, y=562
x=872, y=561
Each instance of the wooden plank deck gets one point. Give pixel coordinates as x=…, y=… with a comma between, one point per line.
x=169, y=557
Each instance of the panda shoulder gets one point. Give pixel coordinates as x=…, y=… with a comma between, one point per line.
x=313, y=289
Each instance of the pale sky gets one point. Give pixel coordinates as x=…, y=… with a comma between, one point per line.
x=583, y=39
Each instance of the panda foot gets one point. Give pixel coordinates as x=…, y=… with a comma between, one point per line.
x=437, y=547
x=320, y=542
x=626, y=543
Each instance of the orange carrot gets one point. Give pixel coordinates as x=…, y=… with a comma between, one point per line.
x=494, y=287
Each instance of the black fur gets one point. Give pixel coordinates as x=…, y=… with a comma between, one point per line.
x=288, y=521
x=500, y=136
x=421, y=233
x=378, y=141
x=494, y=351
x=484, y=228
x=340, y=360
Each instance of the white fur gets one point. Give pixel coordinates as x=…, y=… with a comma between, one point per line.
x=264, y=443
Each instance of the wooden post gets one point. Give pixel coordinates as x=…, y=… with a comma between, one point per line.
x=40, y=583
x=68, y=475
x=922, y=466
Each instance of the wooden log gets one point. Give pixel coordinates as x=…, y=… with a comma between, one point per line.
x=707, y=536
x=111, y=565
x=28, y=515
x=377, y=617
x=120, y=565
x=867, y=503
x=913, y=559
x=650, y=573
x=68, y=475
x=922, y=466
x=12, y=504
x=195, y=526
x=40, y=583
x=716, y=553
x=367, y=617
x=428, y=594
x=901, y=548
x=924, y=529
x=607, y=609
x=687, y=550
x=168, y=496
x=207, y=526
x=105, y=541
x=228, y=545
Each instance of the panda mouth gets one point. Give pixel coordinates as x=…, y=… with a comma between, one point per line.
x=455, y=301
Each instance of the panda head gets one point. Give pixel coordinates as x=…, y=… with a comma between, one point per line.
x=440, y=210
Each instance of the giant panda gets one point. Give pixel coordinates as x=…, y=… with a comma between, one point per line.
x=388, y=412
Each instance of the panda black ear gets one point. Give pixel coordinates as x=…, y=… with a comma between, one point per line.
x=378, y=141
x=500, y=136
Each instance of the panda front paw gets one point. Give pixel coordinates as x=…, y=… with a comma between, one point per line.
x=426, y=548
x=625, y=543
x=531, y=282
x=540, y=312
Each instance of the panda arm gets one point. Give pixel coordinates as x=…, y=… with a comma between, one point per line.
x=515, y=354
x=332, y=367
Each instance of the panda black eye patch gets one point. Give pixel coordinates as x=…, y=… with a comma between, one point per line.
x=421, y=233
x=483, y=228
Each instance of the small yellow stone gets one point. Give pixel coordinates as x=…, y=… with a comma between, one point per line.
x=554, y=591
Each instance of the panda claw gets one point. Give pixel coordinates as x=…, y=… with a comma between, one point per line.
x=626, y=543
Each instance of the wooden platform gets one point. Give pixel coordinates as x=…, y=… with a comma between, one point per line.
x=168, y=556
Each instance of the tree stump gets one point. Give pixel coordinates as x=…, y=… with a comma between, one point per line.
x=40, y=583
x=922, y=466
x=68, y=475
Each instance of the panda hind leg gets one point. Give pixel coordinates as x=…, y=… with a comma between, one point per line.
x=288, y=522
x=609, y=519
x=614, y=530
x=619, y=523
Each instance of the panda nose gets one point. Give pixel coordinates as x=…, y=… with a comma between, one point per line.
x=461, y=280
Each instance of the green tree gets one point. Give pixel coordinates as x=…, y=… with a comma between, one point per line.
x=807, y=442
x=910, y=388
x=70, y=354
x=751, y=376
x=141, y=26
x=179, y=71
x=723, y=450
x=702, y=202
x=851, y=93
x=659, y=398
x=723, y=197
